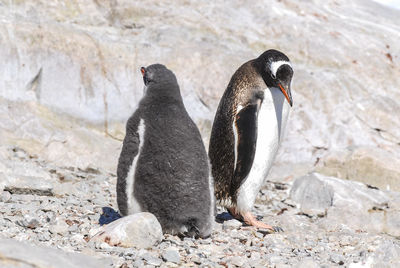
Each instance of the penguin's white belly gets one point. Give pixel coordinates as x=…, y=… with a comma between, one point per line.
x=272, y=118
x=132, y=204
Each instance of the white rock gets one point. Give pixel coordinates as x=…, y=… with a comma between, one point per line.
x=255, y=256
x=95, y=230
x=231, y=224
x=308, y=262
x=59, y=227
x=152, y=260
x=5, y=196
x=238, y=261
x=140, y=230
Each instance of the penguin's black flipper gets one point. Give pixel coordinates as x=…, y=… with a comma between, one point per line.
x=246, y=126
x=129, y=151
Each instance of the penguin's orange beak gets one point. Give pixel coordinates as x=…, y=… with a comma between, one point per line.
x=287, y=94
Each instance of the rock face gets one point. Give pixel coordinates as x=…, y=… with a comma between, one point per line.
x=370, y=165
x=70, y=72
x=18, y=254
x=351, y=203
x=141, y=230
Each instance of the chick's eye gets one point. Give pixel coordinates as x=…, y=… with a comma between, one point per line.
x=145, y=79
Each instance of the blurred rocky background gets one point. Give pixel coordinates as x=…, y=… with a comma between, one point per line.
x=69, y=79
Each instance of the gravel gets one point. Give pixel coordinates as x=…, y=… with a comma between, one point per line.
x=68, y=221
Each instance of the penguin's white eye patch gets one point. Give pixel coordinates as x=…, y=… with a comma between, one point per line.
x=275, y=66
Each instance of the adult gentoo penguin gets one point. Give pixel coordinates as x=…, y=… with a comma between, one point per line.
x=163, y=167
x=247, y=130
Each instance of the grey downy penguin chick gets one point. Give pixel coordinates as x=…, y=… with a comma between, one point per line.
x=247, y=131
x=163, y=167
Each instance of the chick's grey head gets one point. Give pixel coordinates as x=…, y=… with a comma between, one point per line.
x=276, y=70
x=157, y=73
x=159, y=80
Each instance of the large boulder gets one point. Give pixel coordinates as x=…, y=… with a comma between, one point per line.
x=313, y=195
x=371, y=165
x=18, y=254
x=354, y=204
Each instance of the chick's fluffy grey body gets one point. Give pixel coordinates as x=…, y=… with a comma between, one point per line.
x=172, y=175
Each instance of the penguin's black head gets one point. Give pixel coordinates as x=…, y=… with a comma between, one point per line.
x=277, y=71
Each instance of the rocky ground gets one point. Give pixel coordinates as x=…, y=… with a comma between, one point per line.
x=63, y=207
x=345, y=55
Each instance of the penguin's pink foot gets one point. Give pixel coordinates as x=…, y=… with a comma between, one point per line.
x=250, y=220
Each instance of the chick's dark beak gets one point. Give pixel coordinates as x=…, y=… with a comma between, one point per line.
x=287, y=93
x=143, y=71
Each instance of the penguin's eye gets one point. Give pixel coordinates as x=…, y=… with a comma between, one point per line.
x=277, y=65
x=284, y=73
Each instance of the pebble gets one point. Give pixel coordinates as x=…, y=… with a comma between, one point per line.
x=152, y=260
x=171, y=255
x=45, y=236
x=73, y=228
x=275, y=259
x=138, y=263
x=336, y=258
x=103, y=245
x=231, y=224
x=5, y=196
x=332, y=239
x=255, y=256
x=282, y=265
x=28, y=222
x=195, y=259
x=308, y=262
x=239, y=261
x=60, y=227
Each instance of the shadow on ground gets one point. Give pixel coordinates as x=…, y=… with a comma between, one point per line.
x=226, y=216
x=109, y=215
